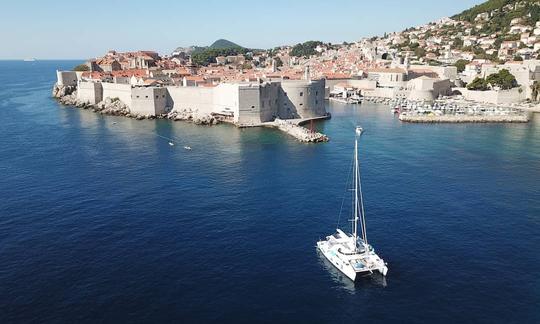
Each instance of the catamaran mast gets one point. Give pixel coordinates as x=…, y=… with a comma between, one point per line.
x=358, y=192
x=355, y=222
x=363, y=224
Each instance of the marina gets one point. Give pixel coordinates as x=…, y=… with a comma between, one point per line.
x=454, y=110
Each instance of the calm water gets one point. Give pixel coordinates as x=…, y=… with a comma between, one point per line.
x=103, y=222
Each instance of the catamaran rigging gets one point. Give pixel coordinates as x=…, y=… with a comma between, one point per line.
x=349, y=253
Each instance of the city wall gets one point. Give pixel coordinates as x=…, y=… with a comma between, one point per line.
x=494, y=97
x=245, y=103
x=90, y=92
x=149, y=101
x=66, y=78
x=120, y=91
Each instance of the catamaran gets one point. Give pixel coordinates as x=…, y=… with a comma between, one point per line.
x=351, y=253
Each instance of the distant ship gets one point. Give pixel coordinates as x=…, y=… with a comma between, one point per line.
x=31, y=59
x=349, y=253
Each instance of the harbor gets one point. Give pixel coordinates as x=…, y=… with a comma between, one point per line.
x=455, y=110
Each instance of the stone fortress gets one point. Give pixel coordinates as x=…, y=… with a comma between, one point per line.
x=242, y=103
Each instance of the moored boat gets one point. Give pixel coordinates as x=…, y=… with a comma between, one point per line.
x=351, y=253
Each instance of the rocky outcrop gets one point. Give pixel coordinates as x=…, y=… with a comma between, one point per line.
x=193, y=116
x=112, y=106
x=60, y=91
x=67, y=95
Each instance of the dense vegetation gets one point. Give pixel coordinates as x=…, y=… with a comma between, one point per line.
x=208, y=55
x=223, y=43
x=81, y=67
x=504, y=80
x=306, y=49
x=460, y=65
x=500, y=21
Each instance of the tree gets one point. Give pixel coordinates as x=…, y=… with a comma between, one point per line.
x=460, y=65
x=279, y=62
x=305, y=49
x=504, y=80
x=81, y=68
x=420, y=52
x=457, y=43
x=535, y=90
x=208, y=55
x=518, y=58
x=477, y=84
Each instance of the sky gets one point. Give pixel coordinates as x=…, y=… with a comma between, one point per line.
x=62, y=29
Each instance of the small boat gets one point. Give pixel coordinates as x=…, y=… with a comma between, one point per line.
x=187, y=148
x=30, y=59
x=114, y=123
x=351, y=253
x=171, y=143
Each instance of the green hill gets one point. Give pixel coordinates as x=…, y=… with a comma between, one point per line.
x=224, y=44
x=502, y=13
x=487, y=6
x=221, y=47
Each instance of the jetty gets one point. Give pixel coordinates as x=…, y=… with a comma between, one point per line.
x=294, y=128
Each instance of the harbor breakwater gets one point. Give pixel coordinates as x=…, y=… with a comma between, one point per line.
x=300, y=133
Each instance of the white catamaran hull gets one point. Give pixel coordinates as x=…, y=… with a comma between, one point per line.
x=354, y=264
x=347, y=270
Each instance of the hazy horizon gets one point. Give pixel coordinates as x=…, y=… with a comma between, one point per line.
x=72, y=30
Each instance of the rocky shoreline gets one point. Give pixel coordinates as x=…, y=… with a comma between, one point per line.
x=67, y=95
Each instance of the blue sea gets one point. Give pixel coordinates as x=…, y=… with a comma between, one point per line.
x=101, y=220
